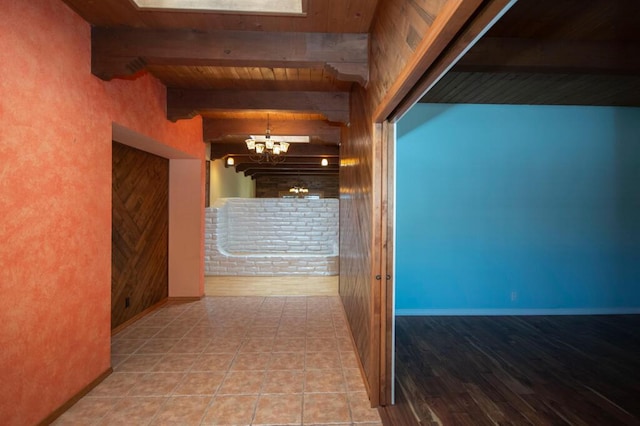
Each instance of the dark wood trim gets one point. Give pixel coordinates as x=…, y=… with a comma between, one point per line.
x=482, y=19
x=378, y=269
x=71, y=402
x=184, y=299
x=387, y=262
x=453, y=16
x=139, y=316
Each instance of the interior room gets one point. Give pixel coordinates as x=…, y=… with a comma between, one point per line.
x=467, y=174
x=517, y=256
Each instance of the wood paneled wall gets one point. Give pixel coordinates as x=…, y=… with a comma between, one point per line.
x=271, y=186
x=407, y=36
x=356, y=226
x=397, y=30
x=139, y=232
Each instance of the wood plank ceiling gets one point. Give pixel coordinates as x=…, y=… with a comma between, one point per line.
x=550, y=52
x=239, y=70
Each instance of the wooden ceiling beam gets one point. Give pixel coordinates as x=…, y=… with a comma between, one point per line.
x=220, y=150
x=214, y=129
x=122, y=52
x=285, y=166
x=266, y=170
x=240, y=160
x=521, y=55
x=187, y=103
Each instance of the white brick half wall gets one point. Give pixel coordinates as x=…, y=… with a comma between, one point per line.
x=272, y=236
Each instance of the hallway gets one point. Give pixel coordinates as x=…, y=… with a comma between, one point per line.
x=232, y=360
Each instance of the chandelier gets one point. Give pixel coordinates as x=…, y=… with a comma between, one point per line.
x=298, y=189
x=263, y=149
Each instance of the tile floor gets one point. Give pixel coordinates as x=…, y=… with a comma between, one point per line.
x=232, y=361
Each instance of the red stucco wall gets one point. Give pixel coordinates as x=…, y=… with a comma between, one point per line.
x=55, y=202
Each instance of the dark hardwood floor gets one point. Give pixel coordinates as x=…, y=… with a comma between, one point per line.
x=538, y=370
x=399, y=414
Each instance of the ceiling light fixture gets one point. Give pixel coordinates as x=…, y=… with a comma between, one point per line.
x=324, y=162
x=298, y=189
x=266, y=150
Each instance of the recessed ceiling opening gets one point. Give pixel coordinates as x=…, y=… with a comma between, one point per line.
x=277, y=7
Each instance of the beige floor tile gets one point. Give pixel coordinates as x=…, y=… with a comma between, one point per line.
x=325, y=331
x=242, y=382
x=86, y=411
x=182, y=410
x=200, y=383
x=345, y=344
x=266, y=322
x=257, y=344
x=353, y=378
x=138, y=363
x=156, y=384
x=279, y=410
x=322, y=360
x=244, y=360
x=190, y=345
x=326, y=408
x=262, y=332
x=361, y=410
x=291, y=331
x=287, y=361
x=200, y=332
x=349, y=359
x=172, y=332
x=175, y=363
x=133, y=411
x=117, y=384
x=213, y=362
x=117, y=360
x=251, y=361
x=224, y=345
x=324, y=381
x=157, y=346
x=290, y=344
x=126, y=346
x=231, y=410
x=283, y=381
x=319, y=344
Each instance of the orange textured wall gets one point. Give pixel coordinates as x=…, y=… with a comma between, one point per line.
x=55, y=202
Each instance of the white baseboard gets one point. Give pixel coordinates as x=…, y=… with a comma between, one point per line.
x=522, y=312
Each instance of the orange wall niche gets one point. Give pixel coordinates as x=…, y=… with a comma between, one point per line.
x=56, y=122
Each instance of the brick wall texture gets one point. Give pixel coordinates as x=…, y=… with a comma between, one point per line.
x=270, y=236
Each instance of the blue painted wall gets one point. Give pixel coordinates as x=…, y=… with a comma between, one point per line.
x=518, y=208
